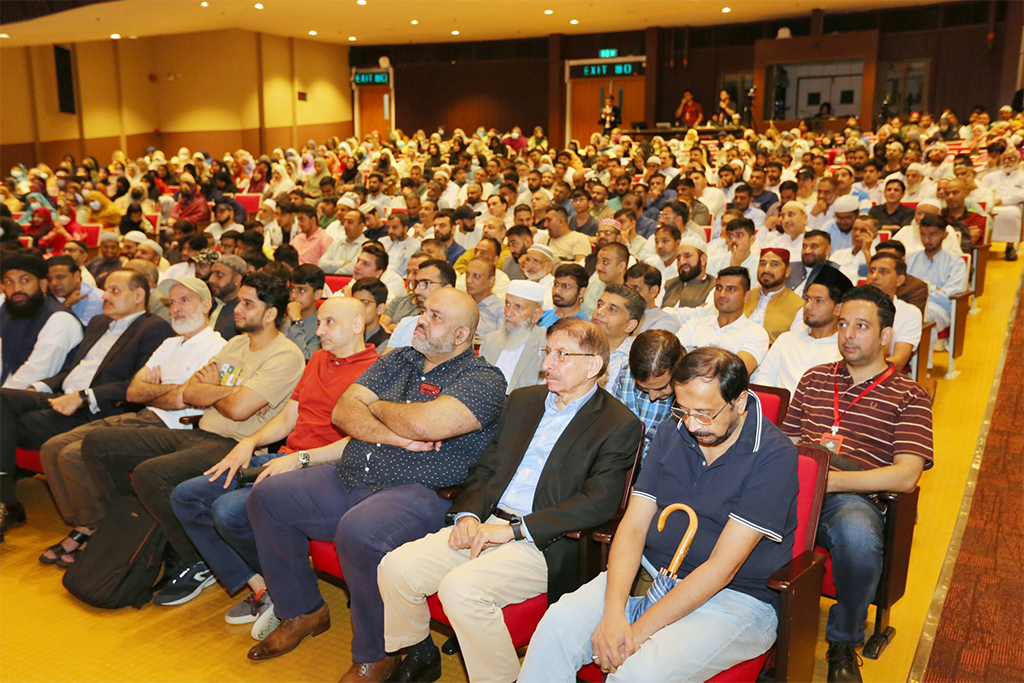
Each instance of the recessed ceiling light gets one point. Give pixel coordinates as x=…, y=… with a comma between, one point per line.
x=115, y=36
x=726, y=10
x=352, y=39
x=574, y=21
x=360, y=2
x=312, y=33
x=5, y=35
x=204, y=4
x=549, y=11
x=455, y=33
x=415, y=22
x=258, y=5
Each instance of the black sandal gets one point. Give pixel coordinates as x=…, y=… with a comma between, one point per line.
x=59, y=551
x=64, y=564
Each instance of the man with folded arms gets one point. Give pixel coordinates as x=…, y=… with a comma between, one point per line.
x=243, y=387
x=557, y=463
x=211, y=507
x=880, y=443
x=738, y=472
x=157, y=385
x=416, y=420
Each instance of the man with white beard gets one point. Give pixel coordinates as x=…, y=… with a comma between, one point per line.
x=514, y=348
x=538, y=263
x=158, y=385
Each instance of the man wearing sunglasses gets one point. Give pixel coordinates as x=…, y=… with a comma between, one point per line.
x=431, y=276
x=557, y=463
x=738, y=472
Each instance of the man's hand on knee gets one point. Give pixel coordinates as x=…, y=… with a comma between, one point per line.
x=461, y=537
x=612, y=643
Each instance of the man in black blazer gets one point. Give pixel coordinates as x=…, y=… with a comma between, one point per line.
x=558, y=463
x=115, y=346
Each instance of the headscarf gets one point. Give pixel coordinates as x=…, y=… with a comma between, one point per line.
x=127, y=224
x=351, y=173
x=108, y=214
x=46, y=226
x=334, y=164
x=307, y=164
x=37, y=198
x=320, y=172
x=276, y=187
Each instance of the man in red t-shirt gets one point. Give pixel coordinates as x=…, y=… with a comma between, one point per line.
x=211, y=507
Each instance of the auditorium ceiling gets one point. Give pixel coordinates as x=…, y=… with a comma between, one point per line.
x=382, y=22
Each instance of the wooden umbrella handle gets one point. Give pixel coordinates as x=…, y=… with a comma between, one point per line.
x=691, y=531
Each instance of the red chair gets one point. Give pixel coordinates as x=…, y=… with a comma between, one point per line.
x=250, y=202
x=774, y=402
x=799, y=585
x=522, y=618
x=92, y=234
x=898, y=537
x=153, y=218
x=337, y=282
x=29, y=460
x=26, y=241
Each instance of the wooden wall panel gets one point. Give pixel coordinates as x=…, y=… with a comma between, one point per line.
x=497, y=93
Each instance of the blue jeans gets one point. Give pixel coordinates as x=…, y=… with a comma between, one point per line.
x=364, y=525
x=850, y=528
x=217, y=523
x=730, y=628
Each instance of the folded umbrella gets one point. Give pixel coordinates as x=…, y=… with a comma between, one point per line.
x=665, y=580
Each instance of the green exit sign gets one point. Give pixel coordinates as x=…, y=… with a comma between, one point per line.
x=608, y=53
x=372, y=78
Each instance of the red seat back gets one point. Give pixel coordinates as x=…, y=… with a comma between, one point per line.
x=92, y=234
x=337, y=282
x=250, y=202
x=774, y=402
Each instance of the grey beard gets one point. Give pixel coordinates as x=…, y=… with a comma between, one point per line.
x=189, y=325
x=514, y=336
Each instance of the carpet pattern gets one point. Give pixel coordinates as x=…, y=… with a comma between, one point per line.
x=980, y=635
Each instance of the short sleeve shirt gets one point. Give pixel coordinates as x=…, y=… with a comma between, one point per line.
x=178, y=359
x=895, y=418
x=739, y=335
x=324, y=381
x=754, y=483
x=399, y=377
x=569, y=245
x=272, y=372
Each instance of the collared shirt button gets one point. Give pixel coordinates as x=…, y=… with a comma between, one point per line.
x=366, y=469
x=378, y=445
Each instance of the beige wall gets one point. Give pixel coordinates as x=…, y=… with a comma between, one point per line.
x=201, y=90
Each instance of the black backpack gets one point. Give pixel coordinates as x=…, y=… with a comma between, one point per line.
x=122, y=560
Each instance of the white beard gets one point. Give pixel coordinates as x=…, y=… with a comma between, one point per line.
x=514, y=336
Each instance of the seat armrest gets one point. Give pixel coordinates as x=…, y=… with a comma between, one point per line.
x=192, y=420
x=794, y=573
x=604, y=533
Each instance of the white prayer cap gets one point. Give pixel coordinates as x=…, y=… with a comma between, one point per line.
x=931, y=201
x=155, y=246
x=270, y=204
x=136, y=236
x=542, y=249
x=916, y=167
x=846, y=204
x=795, y=205
x=691, y=240
x=654, y=159
x=526, y=289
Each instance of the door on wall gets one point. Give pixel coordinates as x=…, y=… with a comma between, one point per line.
x=374, y=109
x=586, y=97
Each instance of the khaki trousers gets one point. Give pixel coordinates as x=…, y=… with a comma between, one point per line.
x=472, y=592
x=79, y=501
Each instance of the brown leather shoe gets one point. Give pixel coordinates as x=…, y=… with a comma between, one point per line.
x=290, y=633
x=371, y=672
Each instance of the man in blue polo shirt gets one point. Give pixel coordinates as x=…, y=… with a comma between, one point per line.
x=738, y=472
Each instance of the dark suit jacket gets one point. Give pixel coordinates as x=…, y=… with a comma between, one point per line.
x=226, y=320
x=128, y=354
x=582, y=482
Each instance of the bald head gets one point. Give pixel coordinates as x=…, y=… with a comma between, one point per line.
x=340, y=326
x=145, y=268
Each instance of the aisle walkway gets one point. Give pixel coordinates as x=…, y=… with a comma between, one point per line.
x=45, y=635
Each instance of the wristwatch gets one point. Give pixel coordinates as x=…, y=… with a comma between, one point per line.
x=304, y=459
x=517, y=530
x=84, y=395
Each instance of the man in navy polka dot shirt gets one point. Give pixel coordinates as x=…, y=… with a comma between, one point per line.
x=416, y=420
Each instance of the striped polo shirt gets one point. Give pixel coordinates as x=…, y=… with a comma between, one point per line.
x=894, y=418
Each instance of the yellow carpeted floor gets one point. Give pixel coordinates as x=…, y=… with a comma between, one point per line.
x=46, y=635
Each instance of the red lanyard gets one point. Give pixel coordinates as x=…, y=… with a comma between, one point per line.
x=835, y=396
